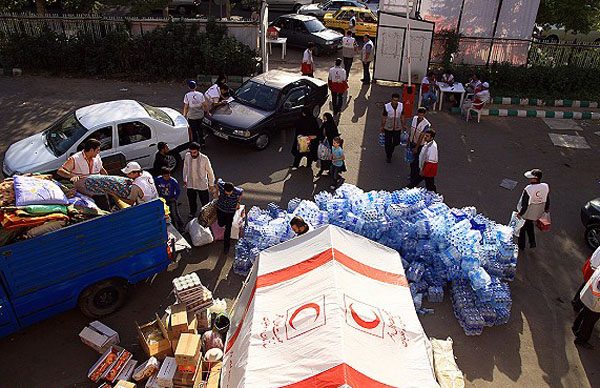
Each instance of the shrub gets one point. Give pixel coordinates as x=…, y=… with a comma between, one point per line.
x=173, y=52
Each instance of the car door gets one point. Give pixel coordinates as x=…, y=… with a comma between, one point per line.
x=8, y=320
x=300, y=33
x=112, y=160
x=292, y=104
x=136, y=140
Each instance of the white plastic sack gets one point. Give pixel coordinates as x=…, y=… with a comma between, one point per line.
x=446, y=371
x=238, y=222
x=516, y=223
x=198, y=233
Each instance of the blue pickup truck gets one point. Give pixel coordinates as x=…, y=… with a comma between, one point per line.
x=89, y=264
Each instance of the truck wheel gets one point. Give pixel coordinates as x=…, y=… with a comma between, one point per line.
x=592, y=235
x=103, y=298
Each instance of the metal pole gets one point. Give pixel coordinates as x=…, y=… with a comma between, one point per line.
x=264, y=24
x=408, y=64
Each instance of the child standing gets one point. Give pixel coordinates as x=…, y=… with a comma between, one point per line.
x=337, y=161
x=169, y=190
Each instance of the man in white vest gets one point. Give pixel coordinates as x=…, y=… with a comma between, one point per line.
x=391, y=125
x=143, y=188
x=338, y=86
x=535, y=200
x=349, y=47
x=83, y=163
x=416, y=139
x=366, y=56
x=590, y=312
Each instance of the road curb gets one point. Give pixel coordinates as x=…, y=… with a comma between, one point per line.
x=544, y=102
x=539, y=113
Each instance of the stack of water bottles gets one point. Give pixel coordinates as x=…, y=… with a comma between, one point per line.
x=439, y=246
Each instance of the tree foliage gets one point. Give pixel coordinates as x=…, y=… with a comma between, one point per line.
x=574, y=15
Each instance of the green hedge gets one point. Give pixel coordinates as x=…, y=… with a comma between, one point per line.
x=566, y=82
x=173, y=52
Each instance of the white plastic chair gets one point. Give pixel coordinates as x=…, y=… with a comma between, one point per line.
x=476, y=107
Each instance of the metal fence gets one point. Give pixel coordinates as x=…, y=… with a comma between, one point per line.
x=484, y=51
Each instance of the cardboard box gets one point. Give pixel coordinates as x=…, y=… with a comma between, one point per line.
x=188, y=349
x=215, y=375
x=127, y=371
x=166, y=373
x=99, y=336
x=112, y=373
x=152, y=381
x=104, y=363
x=124, y=384
x=147, y=369
x=155, y=347
x=178, y=321
x=192, y=323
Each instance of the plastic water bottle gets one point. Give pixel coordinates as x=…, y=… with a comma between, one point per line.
x=403, y=138
x=408, y=155
x=382, y=139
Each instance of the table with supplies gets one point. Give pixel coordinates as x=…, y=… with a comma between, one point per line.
x=457, y=87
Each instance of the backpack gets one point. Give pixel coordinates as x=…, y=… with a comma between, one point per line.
x=324, y=150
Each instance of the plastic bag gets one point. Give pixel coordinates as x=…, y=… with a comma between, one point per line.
x=324, y=150
x=409, y=156
x=303, y=144
x=516, y=223
x=446, y=371
x=212, y=339
x=218, y=231
x=544, y=222
x=208, y=214
x=200, y=235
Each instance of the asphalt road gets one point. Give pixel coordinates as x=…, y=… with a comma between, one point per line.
x=534, y=349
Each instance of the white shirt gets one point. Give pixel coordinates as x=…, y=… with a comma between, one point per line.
x=367, y=49
x=213, y=94
x=198, y=173
x=417, y=129
x=590, y=294
x=337, y=74
x=307, y=57
x=348, y=46
x=483, y=96
x=448, y=78
x=429, y=154
x=146, y=183
x=352, y=23
x=394, y=117
x=195, y=102
x=81, y=166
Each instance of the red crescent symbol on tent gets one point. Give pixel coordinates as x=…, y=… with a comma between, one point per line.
x=313, y=306
x=366, y=324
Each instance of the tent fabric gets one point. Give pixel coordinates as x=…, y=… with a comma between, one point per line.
x=325, y=309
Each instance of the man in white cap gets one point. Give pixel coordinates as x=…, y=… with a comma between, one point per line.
x=143, y=188
x=534, y=202
x=480, y=98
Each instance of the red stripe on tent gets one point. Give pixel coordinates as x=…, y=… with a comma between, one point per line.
x=295, y=270
x=324, y=257
x=241, y=323
x=373, y=273
x=336, y=376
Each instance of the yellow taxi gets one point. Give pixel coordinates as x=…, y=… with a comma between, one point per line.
x=366, y=21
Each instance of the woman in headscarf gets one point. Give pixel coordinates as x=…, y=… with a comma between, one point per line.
x=306, y=126
x=328, y=131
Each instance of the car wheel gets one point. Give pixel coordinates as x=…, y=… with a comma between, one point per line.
x=262, y=141
x=296, y=8
x=592, y=235
x=103, y=298
x=316, y=111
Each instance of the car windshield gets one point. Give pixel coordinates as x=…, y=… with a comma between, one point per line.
x=314, y=26
x=63, y=134
x=258, y=95
x=157, y=113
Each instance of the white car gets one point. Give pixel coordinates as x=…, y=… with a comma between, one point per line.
x=287, y=5
x=128, y=130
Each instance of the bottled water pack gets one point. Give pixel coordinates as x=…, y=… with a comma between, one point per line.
x=440, y=246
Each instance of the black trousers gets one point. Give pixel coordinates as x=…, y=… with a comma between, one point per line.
x=576, y=302
x=392, y=139
x=192, y=195
x=429, y=183
x=197, y=131
x=348, y=66
x=225, y=220
x=175, y=216
x=366, y=73
x=415, y=171
x=528, y=228
x=337, y=100
x=584, y=324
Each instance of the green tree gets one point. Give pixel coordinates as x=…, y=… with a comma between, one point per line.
x=574, y=15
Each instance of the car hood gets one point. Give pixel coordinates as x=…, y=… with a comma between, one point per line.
x=28, y=155
x=237, y=115
x=311, y=7
x=328, y=34
x=177, y=117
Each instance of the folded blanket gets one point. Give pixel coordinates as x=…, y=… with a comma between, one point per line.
x=36, y=191
x=18, y=220
x=40, y=210
x=107, y=184
x=83, y=200
x=7, y=193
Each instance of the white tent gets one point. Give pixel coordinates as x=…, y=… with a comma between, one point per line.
x=327, y=309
